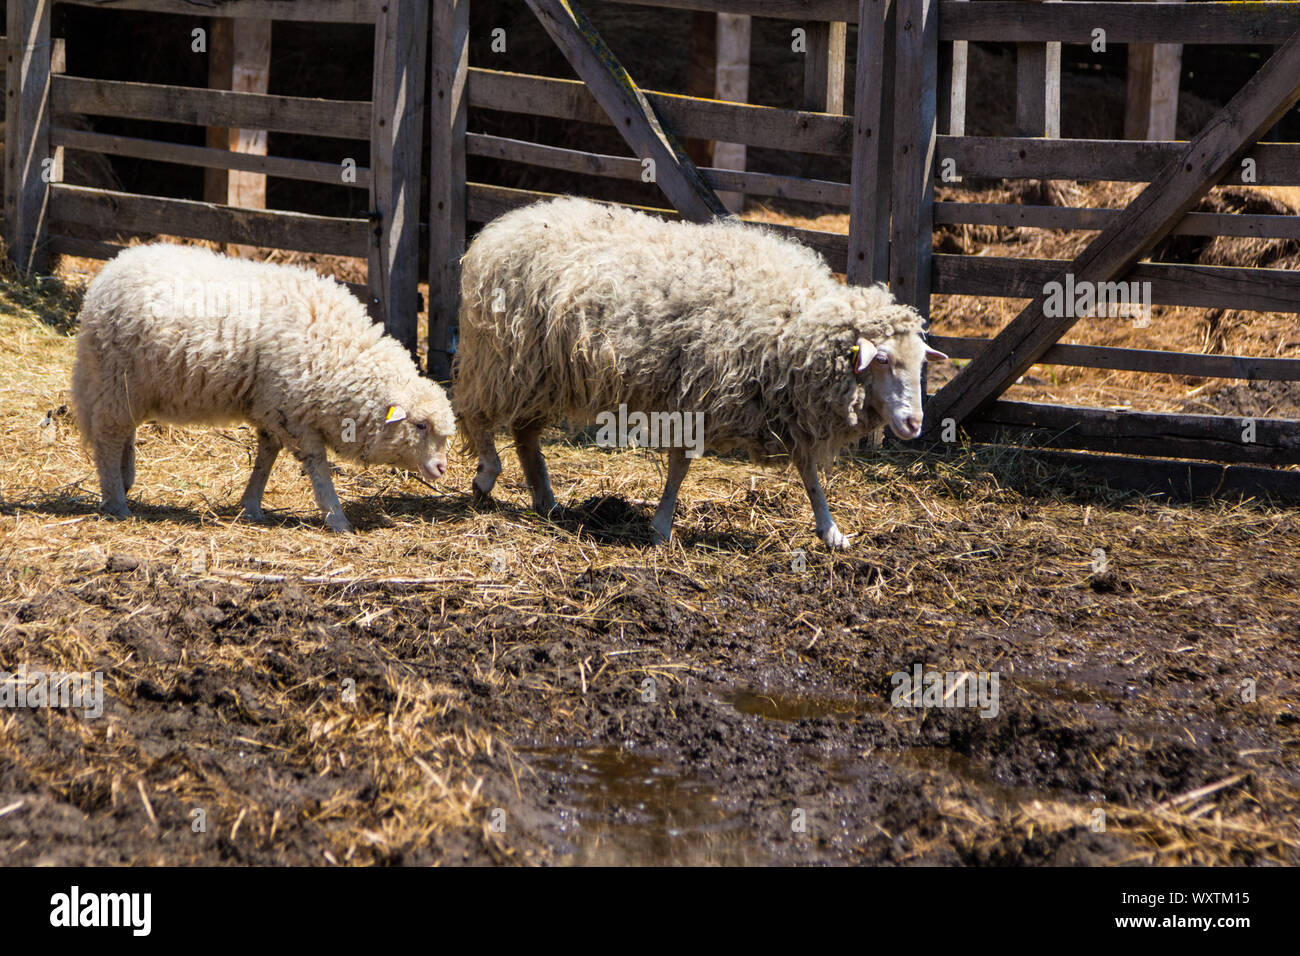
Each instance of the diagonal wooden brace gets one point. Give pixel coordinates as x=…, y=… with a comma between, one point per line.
x=1150, y=217
x=632, y=114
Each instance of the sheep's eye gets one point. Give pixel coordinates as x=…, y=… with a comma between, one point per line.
x=422, y=426
x=882, y=358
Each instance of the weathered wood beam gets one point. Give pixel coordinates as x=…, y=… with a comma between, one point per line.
x=628, y=107
x=401, y=40
x=873, y=98
x=1273, y=90
x=449, y=49
x=28, y=161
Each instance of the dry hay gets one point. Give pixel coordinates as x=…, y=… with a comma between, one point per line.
x=468, y=632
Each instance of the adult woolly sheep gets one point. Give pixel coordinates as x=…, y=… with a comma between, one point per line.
x=571, y=309
x=184, y=335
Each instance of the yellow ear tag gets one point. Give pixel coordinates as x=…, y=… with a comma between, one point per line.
x=853, y=354
x=395, y=414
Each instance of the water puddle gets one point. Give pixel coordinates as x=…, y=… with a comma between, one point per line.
x=634, y=810
x=774, y=706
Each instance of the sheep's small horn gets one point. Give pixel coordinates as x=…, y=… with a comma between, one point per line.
x=863, y=352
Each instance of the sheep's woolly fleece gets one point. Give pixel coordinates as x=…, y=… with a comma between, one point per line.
x=183, y=334
x=570, y=308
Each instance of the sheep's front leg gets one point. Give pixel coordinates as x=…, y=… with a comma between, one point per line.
x=268, y=446
x=528, y=447
x=662, y=523
x=826, y=529
x=109, y=455
x=489, y=463
x=317, y=466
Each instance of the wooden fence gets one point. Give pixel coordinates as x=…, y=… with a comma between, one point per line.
x=907, y=122
x=44, y=216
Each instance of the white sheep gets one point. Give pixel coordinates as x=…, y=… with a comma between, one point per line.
x=184, y=335
x=571, y=309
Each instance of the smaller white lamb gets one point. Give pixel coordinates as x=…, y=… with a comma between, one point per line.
x=187, y=336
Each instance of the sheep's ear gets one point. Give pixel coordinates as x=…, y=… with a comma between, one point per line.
x=862, y=354
x=934, y=355
x=396, y=413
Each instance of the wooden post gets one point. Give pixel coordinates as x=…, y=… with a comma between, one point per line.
x=1038, y=89
x=732, y=83
x=625, y=104
x=1130, y=235
x=27, y=132
x=1154, y=70
x=952, y=87
x=239, y=58
x=873, y=103
x=449, y=49
x=702, y=76
x=823, y=71
x=914, y=141
x=401, y=38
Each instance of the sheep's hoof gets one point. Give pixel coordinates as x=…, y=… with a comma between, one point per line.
x=117, y=514
x=660, y=539
x=545, y=509
x=480, y=498
x=835, y=539
x=339, y=524
x=255, y=515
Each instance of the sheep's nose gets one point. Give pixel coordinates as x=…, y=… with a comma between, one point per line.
x=914, y=424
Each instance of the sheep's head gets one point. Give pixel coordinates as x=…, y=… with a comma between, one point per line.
x=415, y=429
x=891, y=372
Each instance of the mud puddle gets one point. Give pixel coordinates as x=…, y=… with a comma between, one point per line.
x=634, y=810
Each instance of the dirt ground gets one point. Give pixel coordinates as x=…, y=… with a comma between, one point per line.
x=453, y=685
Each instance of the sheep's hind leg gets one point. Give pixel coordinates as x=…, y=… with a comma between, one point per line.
x=109, y=456
x=662, y=522
x=528, y=448
x=489, y=463
x=317, y=466
x=268, y=447
x=128, y=462
x=826, y=529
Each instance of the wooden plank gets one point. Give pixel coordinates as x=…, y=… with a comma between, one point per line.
x=342, y=119
x=873, y=133
x=910, y=238
x=1154, y=72
x=824, y=66
x=27, y=125
x=775, y=9
x=702, y=76
x=731, y=83
x=634, y=117
x=448, y=107
x=1038, y=89
x=396, y=145
x=309, y=11
x=629, y=169
x=277, y=166
x=954, y=58
x=1086, y=218
x=108, y=212
x=1004, y=157
x=1000, y=21
x=1273, y=90
x=250, y=73
x=765, y=126
x=1196, y=286
x=486, y=202
x=1193, y=364
x=1160, y=477
x=1276, y=441
x=221, y=63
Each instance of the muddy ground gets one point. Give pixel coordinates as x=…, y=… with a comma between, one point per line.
x=634, y=711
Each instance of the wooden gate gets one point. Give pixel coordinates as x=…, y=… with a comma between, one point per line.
x=44, y=215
